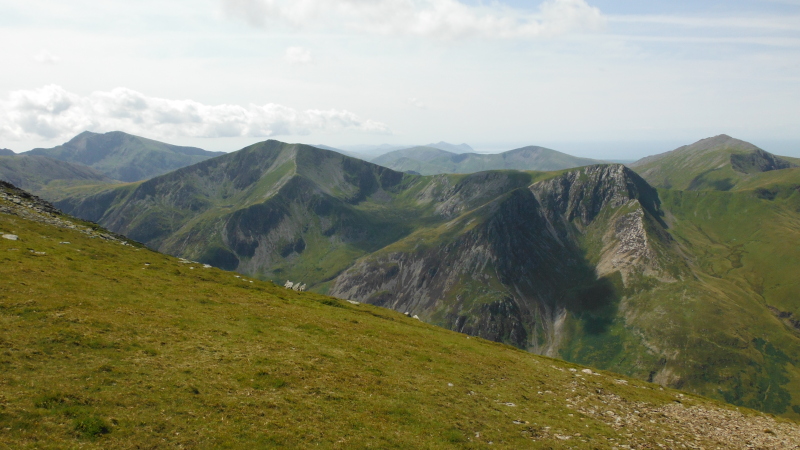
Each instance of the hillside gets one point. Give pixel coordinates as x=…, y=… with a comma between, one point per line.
x=584, y=264
x=431, y=161
x=6, y=152
x=121, y=347
x=717, y=163
x=124, y=157
x=273, y=210
x=46, y=176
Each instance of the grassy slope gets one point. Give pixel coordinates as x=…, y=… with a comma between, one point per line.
x=111, y=346
x=727, y=315
x=746, y=242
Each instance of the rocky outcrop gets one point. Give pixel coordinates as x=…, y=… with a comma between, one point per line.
x=509, y=269
x=17, y=202
x=758, y=161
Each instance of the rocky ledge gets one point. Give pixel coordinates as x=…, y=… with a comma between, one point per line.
x=17, y=202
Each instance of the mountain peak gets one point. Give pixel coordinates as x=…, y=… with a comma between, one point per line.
x=717, y=162
x=123, y=156
x=722, y=141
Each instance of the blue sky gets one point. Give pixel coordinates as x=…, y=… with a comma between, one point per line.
x=614, y=79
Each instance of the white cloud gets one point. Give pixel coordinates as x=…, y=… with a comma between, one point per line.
x=46, y=57
x=417, y=103
x=445, y=19
x=298, y=55
x=52, y=112
x=771, y=23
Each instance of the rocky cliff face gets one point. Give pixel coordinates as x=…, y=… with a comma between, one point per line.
x=510, y=269
x=758, y=161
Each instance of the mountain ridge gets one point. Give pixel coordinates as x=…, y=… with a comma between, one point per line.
x=432, y=161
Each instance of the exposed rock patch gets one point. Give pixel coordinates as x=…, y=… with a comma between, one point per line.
x=17, y=202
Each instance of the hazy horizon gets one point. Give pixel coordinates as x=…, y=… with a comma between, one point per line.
x=629, y=151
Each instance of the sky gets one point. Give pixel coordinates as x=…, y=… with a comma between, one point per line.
x=598, y=78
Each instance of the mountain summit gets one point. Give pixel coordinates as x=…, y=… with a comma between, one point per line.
x=719, y=163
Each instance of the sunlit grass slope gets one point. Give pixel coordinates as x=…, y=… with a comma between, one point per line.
x=106, y=345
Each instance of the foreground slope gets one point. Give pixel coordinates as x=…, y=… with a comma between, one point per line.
x=431, y=161
x=124, y=157
x=717, y=163
x=109, y=345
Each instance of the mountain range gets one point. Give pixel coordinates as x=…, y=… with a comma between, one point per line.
x=430, y=160
x=679, y=274
x=107, y=344
x=370, y=152
x=688, y=288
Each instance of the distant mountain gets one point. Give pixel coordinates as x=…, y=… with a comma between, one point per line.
x=343, y=152
x=47, y=177
x=6, y=152
x=452, y=148
x=123, y=156
x=717, y=163
x=431, y=161
x=593, y=264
